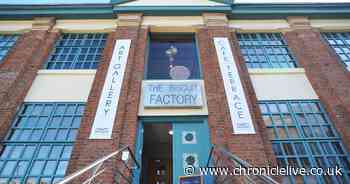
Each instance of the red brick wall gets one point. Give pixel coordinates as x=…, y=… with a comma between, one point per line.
x=18, y=71
x=86, y=151
x=255, y=148
x=124, y=131
x=328, y=76
x=129, y=130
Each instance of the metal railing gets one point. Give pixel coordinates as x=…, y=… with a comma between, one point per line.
x=221, y=157
x=97, y=167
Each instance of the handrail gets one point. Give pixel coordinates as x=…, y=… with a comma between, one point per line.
x=97, y=164
x=241, y=162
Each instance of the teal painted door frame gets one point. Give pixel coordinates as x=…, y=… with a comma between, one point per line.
x=191, y=138
x=138, y=153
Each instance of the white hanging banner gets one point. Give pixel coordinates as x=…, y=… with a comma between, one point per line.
x=108, y=104
x=240, y=116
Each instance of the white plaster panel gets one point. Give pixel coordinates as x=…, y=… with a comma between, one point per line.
x=331, y=24
x=173, y=21
x=61, y=86
x=86, y=25
x=281, y=84
x=15, y=26
x=259, y=24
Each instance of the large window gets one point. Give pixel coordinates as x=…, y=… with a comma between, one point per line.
x=302, y=136
x=340, y=42
x=6, y=43
x=39, y=144
x=77, y=51
x=173, y=57
x=265, y=50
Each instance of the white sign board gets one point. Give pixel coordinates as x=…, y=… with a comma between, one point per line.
x=240, y=116
x=176, y=93
x=108, y=104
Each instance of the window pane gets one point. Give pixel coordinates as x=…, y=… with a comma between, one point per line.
x=67, y=152
x=299, y=148
x=287, y=119
x=31, y=180
x=292, y=162
x=282, y=133
x=72, y=134
x=43, y=154
x=341, y=44
x=281, y=163
x=16, y=152
x=8, y=168
x=293, y=132
x=6, y=151
x=267, y=49
x=326, y=148
x=77, y=51
x=76, y=122
x=56, y=180
x=271, y=133
x=6, y=43
x=267, y=120
x=66, y=121
x=51, y=134
x=55, y=152
x=273, y=108
x=44, y=151
x=15, y=181
x=277, y=149
x=288, y=149
x=173, y=57
x=305, y=163
x=29, y=152
x=37, y=167
x=345, y=162
x=277, y=120
x=45, y=180
x=62, y=134
x=61, y=169
x=263, y=108
x=21, y=168
x=307, y=131
x=21, y=122
x=337, y=147
x=50, y=168
x=311, y=140
x=314, y=148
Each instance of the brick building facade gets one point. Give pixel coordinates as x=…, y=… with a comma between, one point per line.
x=80, y=81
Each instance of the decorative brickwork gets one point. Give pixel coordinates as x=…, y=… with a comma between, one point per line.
x=328, y=76
x=19, y=69
x=255, y=148
x=125, y=126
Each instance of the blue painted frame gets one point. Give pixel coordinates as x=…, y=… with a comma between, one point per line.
x=159, y=119
x=72, y=51
x=7, y=42
x=32, y=123
x=300, y=150
x=339, y=48
x=266, y=41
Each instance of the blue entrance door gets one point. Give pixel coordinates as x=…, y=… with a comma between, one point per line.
x=191, y=147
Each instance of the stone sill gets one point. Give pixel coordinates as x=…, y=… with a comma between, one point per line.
x=276, y=71
x=66, y=72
